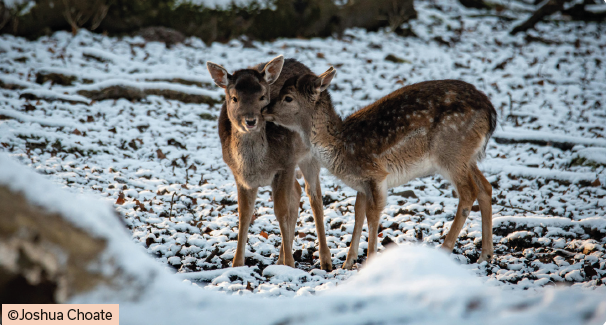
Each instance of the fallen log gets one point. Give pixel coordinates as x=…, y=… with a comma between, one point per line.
x=550, y=7
x=140, y=90
x=51, y=96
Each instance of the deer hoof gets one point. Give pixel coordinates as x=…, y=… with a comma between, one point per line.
x=485, y=258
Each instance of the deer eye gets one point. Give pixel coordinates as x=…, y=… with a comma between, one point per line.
x=262, y=98
x=234, y=99
x=288, y=99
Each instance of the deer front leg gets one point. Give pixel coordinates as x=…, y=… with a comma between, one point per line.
x=294, y=209
x=282, y=187
x=311, y=173
x=360, y=213
x=375, y=202
x=246, y=206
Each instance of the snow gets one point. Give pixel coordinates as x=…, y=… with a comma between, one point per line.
x=596, y=155
x=225, y=4
x=284, y=273
x=412, y=283
x=544, y=93
x=516, y=134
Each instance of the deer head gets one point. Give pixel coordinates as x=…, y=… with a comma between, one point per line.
x=246, y=92
x=296, y=103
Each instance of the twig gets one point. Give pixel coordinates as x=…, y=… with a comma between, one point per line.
x=214, y=253
x=170, y=215
x=438, y=189
x=512, y=207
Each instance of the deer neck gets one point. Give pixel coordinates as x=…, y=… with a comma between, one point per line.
x=250, y=148
x=324, y=132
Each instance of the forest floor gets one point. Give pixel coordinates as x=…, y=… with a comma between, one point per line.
x=158, y=159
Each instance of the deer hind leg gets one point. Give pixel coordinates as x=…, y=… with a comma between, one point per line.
x=246, y=206
x=311, y=173
x=282, y=187
x=360, y=213
x=467, y=191
x=375, y=202
x=485, y=202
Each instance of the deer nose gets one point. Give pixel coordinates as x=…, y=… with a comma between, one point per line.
x=251, y=123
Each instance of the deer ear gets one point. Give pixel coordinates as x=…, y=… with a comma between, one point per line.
x=218, y=73
x=272, y=69
x=324, y=79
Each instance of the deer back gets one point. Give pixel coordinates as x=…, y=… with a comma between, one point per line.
x=416, y=130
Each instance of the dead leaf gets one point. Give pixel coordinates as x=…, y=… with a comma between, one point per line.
x=320, y=55
x=149, y=240
x=381, y=235
x=408, y=194
x=160, y=154
x=596, y=183
x=140, y=205
x=193, y=167
x=77, y=132
x=120, y=199
x=302, y=234
x=264, y=234
x=184, y=186
x=475, y=208
x=112, y=130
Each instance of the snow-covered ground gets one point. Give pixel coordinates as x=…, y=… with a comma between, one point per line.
x=159, y=160
x=430, y=289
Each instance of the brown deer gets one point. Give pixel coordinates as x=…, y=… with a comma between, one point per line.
x=434, y=126
x=261, y=154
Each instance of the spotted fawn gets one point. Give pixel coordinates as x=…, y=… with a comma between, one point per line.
x=439, y=126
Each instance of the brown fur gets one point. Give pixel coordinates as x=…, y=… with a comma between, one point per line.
x=266, y=154
x=435, y=126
